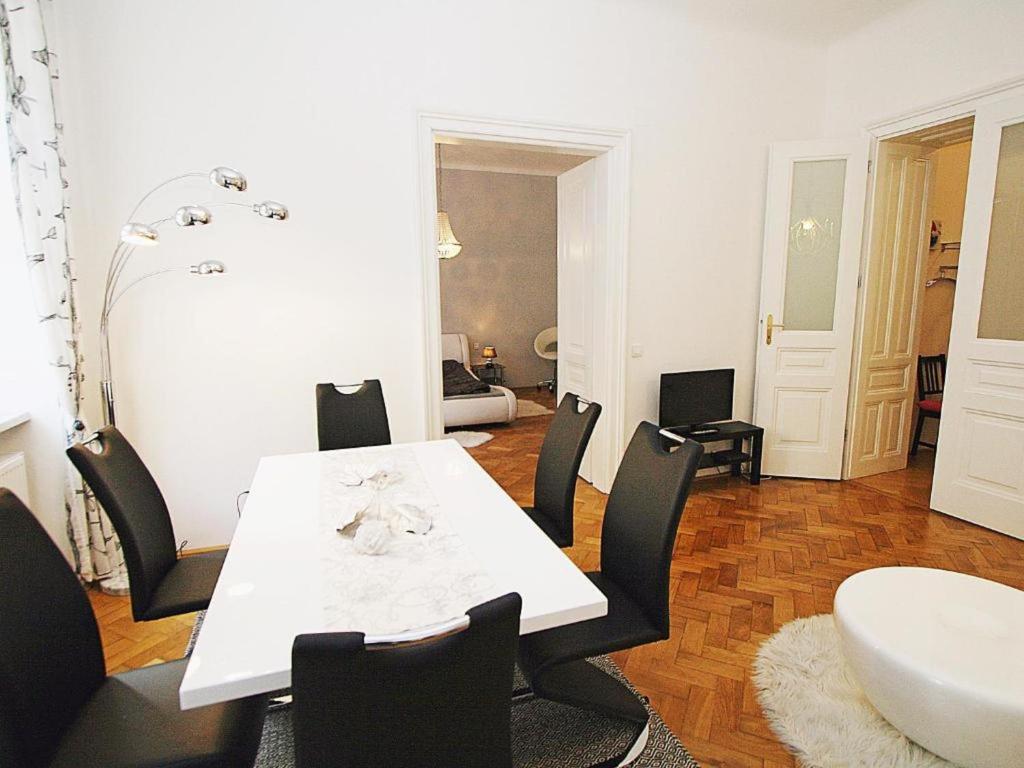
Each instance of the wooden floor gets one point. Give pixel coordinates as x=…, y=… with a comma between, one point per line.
x=746, y=561
x=913, y=484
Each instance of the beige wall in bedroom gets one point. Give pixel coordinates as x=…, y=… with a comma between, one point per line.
x=501, y=289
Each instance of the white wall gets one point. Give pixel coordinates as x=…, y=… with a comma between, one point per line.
x=920, y=54
x=317, y=102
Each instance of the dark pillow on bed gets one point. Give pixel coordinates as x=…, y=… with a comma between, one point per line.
x=459, y=381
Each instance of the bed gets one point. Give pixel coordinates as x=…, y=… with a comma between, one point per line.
x=496, y=406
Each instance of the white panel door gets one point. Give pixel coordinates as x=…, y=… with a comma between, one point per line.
x=577, y=218
x=813, y=216
x=885, y=377
x=979, y=465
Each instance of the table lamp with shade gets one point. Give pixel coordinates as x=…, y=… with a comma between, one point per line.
x=489, y=354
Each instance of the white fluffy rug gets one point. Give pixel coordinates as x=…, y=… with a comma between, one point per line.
x=470, y=439
x=815, y=707
x=527, y=408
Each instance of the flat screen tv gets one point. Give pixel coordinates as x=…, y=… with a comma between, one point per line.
x=694, y=398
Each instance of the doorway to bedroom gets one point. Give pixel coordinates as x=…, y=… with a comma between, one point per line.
x=501, y=210
x=524, y=253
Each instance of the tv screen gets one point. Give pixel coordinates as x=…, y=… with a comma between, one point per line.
x=695, y=397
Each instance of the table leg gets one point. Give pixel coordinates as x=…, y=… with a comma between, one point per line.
x=736, y=469
x=755, y=458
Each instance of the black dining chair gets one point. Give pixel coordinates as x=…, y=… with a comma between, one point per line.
x=554, y=487
x=162, y=583
x=351, y=419
x=931, y=380
x=637, y=539
x=434, y=703
x=58, y=707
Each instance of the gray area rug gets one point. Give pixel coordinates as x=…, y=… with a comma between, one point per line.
x=544, y=734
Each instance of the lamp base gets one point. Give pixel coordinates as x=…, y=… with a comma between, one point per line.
x=116, y=585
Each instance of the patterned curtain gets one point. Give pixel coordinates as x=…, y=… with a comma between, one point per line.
x=40, y=191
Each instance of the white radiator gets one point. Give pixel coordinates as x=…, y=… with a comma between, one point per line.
x=14, y=477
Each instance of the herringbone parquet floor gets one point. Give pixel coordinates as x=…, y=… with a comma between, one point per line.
x=747, y=560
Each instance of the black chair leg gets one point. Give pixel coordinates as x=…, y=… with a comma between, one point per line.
x=582, y=685
x=917, y=433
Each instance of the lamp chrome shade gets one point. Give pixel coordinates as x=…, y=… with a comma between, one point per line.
x=447, y=246
x=271, y=209
x=192, y=215
x=228, y=178
x=134, y=233
x=208, y=268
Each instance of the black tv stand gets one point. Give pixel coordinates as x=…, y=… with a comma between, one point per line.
x=735, y=457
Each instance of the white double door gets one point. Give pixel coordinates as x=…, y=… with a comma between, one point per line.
x=812, y=252
x=979, y=466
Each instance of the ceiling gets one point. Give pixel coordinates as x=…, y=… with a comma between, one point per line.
x=499, y=157
x=942, y=135
x=812, y=21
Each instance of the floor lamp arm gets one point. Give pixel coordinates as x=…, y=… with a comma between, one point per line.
x=221, y=176
x=160, y=186
x=116, y=298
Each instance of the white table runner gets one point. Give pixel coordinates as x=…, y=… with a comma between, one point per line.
x=419, y=580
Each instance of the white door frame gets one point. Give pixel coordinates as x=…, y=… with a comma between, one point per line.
x=609, y=383
x=964, y=105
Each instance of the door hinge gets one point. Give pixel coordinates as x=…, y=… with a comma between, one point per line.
x=869, y=166
x=860, y=280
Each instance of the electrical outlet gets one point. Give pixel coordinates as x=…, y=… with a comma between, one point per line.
x=476, y=345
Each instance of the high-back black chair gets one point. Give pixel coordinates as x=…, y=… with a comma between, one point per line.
x=637, y=539
x=59, y=709
x=162, y=584
x=554, y=488
x=351, y=420
x=435, y=703
x=931, y=380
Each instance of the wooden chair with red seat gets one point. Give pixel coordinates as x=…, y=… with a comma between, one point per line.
x=931, y=377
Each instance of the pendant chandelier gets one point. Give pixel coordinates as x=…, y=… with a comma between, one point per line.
x=448, y=246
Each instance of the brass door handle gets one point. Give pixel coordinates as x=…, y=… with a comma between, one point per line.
x=769, y=325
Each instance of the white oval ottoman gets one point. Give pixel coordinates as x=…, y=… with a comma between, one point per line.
x=941, y=656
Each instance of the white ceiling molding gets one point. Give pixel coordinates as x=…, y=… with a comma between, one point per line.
x=498, y=157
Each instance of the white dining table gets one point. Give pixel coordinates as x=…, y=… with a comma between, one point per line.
x=289, y=572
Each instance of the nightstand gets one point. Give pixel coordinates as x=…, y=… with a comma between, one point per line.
x=490, y=373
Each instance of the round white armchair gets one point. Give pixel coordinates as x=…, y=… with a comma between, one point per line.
x=546, y=346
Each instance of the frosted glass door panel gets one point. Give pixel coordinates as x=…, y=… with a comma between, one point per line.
x=1002, y=316
x=812, y=255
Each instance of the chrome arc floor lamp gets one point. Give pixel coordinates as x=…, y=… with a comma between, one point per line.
x=135, y=234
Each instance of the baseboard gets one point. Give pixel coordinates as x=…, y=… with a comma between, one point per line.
x=203, y=550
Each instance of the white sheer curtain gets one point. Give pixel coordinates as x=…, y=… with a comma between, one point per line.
x=39, y=184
